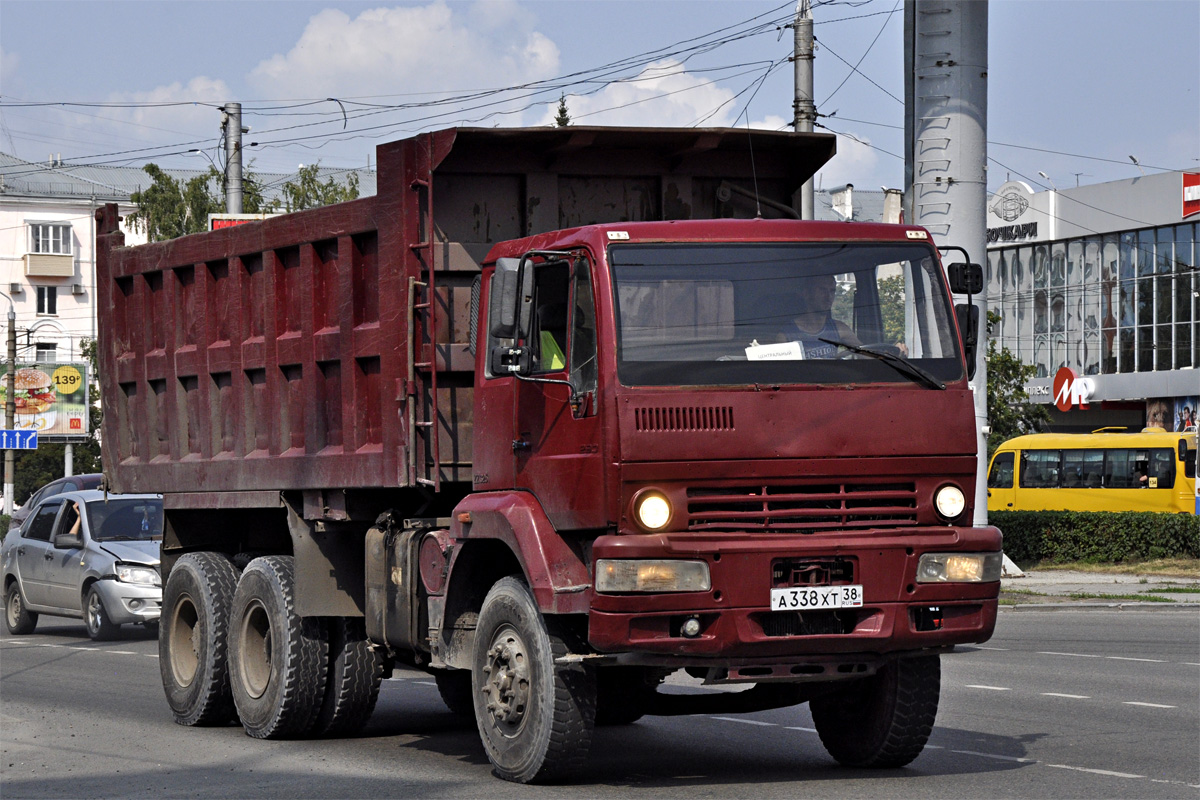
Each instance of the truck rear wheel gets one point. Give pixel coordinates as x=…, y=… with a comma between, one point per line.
x=352, y=687
x=192, y=639
x=882, y=721
x=277, y=659
x=535, y=717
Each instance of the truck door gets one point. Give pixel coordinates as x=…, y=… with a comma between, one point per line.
x=558, y=450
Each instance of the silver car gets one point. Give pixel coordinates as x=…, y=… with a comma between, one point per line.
x=85, y=554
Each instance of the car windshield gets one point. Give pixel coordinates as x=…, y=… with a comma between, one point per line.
x=759, y=313
x=125, y=520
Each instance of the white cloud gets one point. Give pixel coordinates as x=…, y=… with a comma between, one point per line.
x=662, y=94
x=408, y=50
x=856, y=162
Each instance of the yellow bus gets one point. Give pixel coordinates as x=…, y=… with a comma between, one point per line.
x=1109, y=469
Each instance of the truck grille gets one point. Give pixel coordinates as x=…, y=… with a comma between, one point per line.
x=804, y=509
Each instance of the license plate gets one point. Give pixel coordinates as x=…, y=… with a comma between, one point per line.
x=809, y=598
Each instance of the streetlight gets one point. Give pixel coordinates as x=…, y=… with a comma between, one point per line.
x=10, y=406
x=1047, y=177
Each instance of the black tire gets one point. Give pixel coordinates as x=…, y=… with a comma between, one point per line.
x=192, y=639
x=17, y=618
x=623, y=694
x=100, y=627
x=883, y=721
x=535, y=717
x=352, y=686
x=455, y=687
x=277, y=660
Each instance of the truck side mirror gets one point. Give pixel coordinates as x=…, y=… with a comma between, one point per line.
x=510, y=302
x=965, y=278
x=968, y=325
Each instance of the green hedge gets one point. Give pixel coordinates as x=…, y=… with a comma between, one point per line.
x=1097, y=536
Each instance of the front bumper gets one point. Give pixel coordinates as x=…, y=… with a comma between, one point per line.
x=130, y=602
x=736, y=623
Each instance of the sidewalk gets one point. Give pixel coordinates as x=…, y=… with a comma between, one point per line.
x=1050, y=588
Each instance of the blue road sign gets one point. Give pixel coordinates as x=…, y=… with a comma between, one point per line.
x=18, y=440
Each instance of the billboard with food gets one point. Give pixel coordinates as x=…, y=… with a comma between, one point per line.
x=51, y=399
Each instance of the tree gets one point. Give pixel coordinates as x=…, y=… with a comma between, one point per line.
x=307, y=191
x=167, y=210
x=1009, y=411
x=563, y=118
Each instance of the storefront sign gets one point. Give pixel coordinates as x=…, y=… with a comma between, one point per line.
x=1191, y=194
x=1070, y=390
x=1011, y=233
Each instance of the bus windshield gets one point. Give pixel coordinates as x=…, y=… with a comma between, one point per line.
x=758, y=313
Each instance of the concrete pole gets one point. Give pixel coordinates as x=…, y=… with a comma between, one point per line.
x=68, y=460
x=946, y=155
x=233, y=158
x=804, y=108
x=10, y=410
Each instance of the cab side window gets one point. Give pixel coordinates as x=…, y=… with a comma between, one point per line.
x=549, y=332
x=42, y=525
x=583, y=331
x=1001, y=474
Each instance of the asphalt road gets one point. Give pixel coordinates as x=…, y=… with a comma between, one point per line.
x=1093, y=703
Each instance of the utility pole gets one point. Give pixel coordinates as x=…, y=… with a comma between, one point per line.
x=10, y=409
x=945, y=164
x=805, y=110
x=231, y=122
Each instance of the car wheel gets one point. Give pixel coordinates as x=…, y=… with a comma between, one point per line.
x=192, y=642
x=535, y=717
x=355, y=672
x=17, y=617
x=95, y=618
x=277, y=659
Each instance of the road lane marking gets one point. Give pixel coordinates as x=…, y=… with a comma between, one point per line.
x=1068, y=696
x=746, y=721
x=798, y=728
x=1145, y=705
x=1073, y=655
x=1004, y=649
x=996, y=756
x=989, y=688
x=1107, y=772
x=1127, y=658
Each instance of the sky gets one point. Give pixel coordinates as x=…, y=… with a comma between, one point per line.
x=1075, y=87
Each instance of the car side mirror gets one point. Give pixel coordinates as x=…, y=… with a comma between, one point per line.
x=66, y=541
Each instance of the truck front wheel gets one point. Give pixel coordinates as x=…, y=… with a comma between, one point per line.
x=192, y=639
x=277, y=659
x=535, y=717
x=882, y=721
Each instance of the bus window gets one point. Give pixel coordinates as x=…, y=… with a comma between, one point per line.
x=1001, y=475
x=1039, y=469
x=1161, y=472
x=1083, y=469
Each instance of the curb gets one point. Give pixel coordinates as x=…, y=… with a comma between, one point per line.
x=1101, y=606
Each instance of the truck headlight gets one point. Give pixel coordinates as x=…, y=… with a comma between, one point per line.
x=949, y=502
x=652, y=510
x=651, y=575
x=959, y=567
x=131, y=573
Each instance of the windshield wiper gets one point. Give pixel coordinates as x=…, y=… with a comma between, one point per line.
x=899, y=363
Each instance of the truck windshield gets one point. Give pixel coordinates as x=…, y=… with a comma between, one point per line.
x=776, y=313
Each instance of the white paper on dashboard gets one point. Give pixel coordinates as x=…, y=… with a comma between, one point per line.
x=784, y=351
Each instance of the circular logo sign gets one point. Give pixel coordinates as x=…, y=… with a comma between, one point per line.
x=1071, y=390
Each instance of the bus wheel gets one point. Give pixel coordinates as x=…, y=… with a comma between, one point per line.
x=192, y=639
x=535, y=717
x=277, y=659
x=882, y=721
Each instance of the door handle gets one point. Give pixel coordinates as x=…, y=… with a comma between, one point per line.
x=520, y=444
x=48, y=556
x=20, y=551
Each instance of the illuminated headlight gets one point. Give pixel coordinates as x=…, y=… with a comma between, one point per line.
x=646, y=575
x=130, y=573
x=653, y=511
x=950, y=502
x=959, y=567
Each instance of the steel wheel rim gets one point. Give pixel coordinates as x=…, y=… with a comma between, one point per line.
x=183, y=636
x=256, y=640
x=507, y=681
x=14, y=607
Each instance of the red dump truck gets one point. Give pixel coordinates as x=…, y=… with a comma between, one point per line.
x=553, y=415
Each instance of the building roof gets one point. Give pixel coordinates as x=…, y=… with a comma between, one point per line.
x=63, y=180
